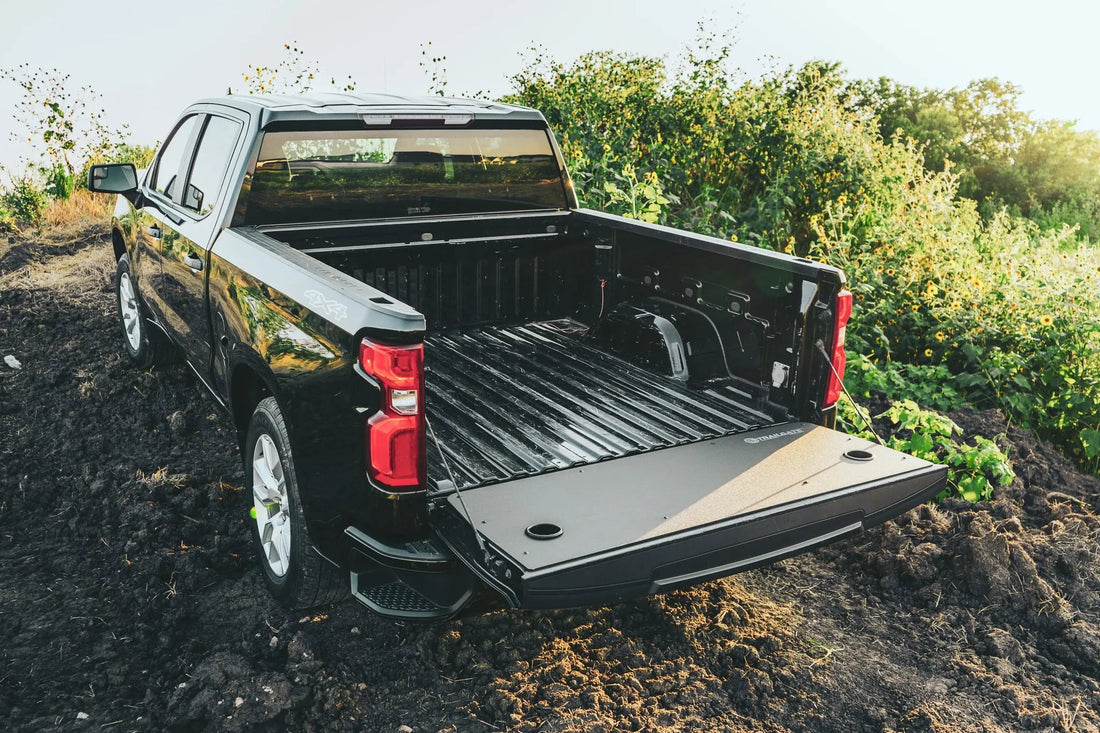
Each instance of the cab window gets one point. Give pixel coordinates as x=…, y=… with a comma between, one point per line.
x=219, y=139
x=168, y=175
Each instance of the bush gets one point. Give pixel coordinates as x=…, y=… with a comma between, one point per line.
x=974, y=469
x=24, y=201
x=950, y=308
x=59, y=181
x=1009, y=312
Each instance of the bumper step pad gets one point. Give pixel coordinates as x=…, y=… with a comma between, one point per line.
x=395, y=599
x=413, y=581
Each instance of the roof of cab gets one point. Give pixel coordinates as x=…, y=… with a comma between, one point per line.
x=305, y=107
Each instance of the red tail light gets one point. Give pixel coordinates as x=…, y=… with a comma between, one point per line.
x=395, y=434
x=842, y=313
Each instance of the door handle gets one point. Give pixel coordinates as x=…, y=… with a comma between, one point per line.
x=193, y=261
x=155, y=232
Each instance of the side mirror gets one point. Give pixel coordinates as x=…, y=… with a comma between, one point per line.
x=113, y=178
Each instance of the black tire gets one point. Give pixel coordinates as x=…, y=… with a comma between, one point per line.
x=302, y=579
x=144, y=344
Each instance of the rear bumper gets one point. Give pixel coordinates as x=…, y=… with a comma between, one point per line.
x=696, y=555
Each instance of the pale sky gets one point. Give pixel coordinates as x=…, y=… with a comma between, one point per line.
x=150, y=59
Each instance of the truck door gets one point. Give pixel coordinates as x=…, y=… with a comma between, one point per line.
x=182, y=230
x=158, y=216
x=185, y=257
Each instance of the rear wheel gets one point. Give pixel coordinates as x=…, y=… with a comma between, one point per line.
x=293, y=571
x=144, y=345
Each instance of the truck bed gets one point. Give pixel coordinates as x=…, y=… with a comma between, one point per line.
x=512, y=401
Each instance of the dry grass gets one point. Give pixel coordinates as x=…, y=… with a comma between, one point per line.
x=69, y=273
x=80, y=209
x=161, y=477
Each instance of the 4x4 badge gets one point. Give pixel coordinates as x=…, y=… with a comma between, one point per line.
x=332, y=308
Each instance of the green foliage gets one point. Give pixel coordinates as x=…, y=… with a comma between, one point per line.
x=23, y=201
x=1003, y=314
x=974, y=469
x=435, y=69
x=140, y=155
x=753, y=161
x=1090, y=439
x=60, y=183
x=69, y=132
x=638, y=199
x=292, y=74
x=954, y=305
x=1077, y=211
x=66, y=125
x=926, y=384
x=1048, y=171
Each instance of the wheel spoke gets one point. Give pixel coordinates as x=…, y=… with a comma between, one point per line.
x=261, y=496
x=271, y=510
x=282, y=542
x=274, y=559
x=128, y=307
x=274, y=465
x=272, y=484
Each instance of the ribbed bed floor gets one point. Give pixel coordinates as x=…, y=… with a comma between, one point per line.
x=516, y=401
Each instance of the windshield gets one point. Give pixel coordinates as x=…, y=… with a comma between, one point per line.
x=362, y=174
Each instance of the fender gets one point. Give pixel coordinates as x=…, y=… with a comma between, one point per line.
x=299, y=335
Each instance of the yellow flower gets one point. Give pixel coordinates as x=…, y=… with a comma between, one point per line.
x=915, y=307
x=928, y=352
x=606, y=148
x=1046, y=320
x=940, y=336
x=932, y=289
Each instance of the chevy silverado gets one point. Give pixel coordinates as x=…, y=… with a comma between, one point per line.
x=447, y=378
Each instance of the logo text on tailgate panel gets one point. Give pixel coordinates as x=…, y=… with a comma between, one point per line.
x=773, y=436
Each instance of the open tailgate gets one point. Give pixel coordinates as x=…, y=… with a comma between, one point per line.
x=645, y=523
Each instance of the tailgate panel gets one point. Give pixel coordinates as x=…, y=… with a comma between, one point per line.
x=649, y=522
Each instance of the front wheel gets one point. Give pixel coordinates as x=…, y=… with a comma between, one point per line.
x=143, y=345
x=294, y=573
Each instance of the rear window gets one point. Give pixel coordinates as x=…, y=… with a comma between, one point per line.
x=364, y=174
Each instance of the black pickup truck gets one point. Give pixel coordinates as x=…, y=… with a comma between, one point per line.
x=447, y=378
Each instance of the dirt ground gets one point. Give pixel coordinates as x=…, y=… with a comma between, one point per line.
x=129, y=598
